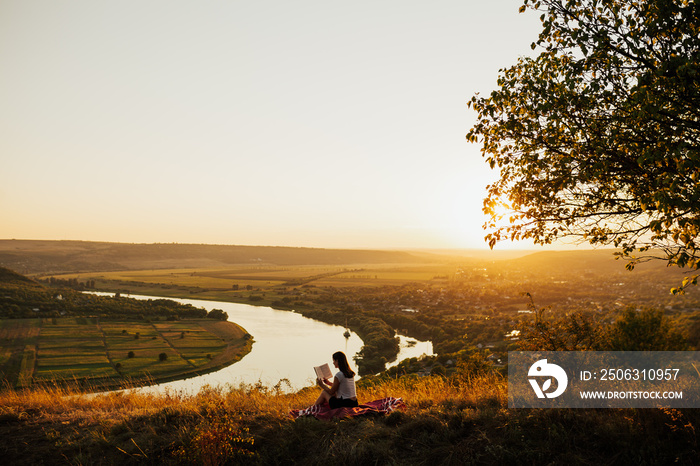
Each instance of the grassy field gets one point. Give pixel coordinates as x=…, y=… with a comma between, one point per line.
x=451, y=421
x=106, y=352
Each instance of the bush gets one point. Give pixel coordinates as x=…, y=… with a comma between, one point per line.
x=162, y=357
x=130, y=355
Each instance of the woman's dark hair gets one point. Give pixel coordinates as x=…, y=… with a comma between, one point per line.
x=343, y=364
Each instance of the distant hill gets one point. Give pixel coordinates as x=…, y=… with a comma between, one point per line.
x=35, y=257
x=598, y=261
x=8, y=276
x=566, y=260
x=475, y=254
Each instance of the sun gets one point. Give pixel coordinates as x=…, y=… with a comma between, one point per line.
x=502, y=212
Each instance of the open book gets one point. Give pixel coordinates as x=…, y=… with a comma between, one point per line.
x=323, y=372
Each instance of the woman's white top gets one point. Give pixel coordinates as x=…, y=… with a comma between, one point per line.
x=346, y=389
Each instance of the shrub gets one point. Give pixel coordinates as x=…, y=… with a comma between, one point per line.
x=162, y=357
x=130, y=355
x=219, y=441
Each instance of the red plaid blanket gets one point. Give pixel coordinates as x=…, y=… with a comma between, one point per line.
x=324, y=411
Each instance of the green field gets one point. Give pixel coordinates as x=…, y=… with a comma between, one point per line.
x=109, y=352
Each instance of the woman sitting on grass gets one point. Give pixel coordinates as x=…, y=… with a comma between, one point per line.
x=342, y=393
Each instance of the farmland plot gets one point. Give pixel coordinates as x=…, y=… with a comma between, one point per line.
x=18, y=340
x=112, y=352
x=72, y=348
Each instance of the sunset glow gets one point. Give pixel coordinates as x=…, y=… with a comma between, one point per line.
x=305, y=124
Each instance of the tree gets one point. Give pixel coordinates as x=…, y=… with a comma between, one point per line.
x=646, y=330
x=576, y=331
x=217, y=314
x=598, y=137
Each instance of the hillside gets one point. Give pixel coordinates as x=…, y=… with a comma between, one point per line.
x=41, y=257
x=21, y=297
x=447, y=421
x=599, y=262
x=9, y=277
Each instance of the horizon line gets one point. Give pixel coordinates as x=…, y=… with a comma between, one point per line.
x=532, y=248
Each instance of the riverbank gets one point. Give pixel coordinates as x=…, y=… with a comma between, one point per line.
x=380, y=344
x=238, y=344
x=100, y=354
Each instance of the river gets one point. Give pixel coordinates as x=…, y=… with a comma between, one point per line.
x=287, y=346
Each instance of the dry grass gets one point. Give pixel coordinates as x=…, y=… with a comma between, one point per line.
x=461, y=420
x=132, y=425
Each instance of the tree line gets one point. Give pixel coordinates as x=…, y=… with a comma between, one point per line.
x=27, y=299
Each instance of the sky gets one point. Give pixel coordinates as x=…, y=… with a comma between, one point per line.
x=307, y=123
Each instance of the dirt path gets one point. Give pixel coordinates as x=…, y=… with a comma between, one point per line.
x=172, y=347
x=104, y=341
x=15, y=336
